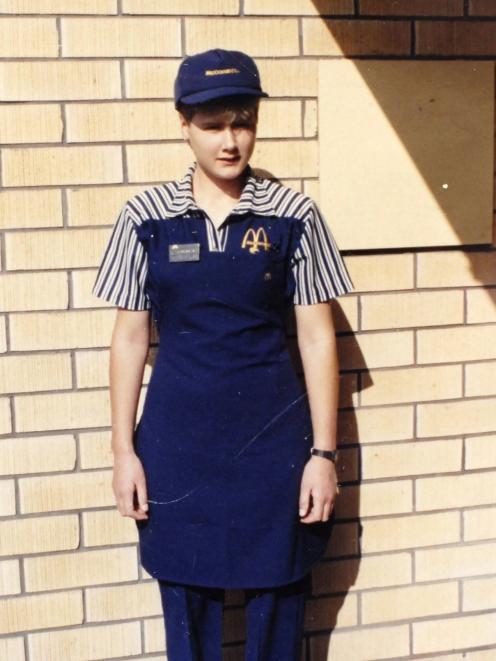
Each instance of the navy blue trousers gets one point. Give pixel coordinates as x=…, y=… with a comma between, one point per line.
x=193, y=617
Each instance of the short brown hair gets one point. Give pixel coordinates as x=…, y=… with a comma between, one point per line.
x=244, y=105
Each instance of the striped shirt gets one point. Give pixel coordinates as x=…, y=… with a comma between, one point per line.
x=318, y=268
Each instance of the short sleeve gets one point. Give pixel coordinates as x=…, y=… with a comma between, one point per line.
x=318, y=268
x=122, y=272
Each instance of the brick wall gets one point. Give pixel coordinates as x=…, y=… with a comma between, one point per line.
x=89, y=121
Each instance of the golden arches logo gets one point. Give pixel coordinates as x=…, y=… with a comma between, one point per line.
x=254, y=239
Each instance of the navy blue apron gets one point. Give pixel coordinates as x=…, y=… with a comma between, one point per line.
x=225, y=430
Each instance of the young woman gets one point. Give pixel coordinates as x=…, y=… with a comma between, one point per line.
x=230, y=473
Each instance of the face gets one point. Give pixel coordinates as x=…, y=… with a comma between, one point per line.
x=222, y=142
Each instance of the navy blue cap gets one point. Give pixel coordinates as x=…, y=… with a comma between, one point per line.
x=215, y=73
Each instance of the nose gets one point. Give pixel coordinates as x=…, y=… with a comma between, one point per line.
x=228, y=138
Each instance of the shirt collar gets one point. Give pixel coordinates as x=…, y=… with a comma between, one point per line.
x=254, y=196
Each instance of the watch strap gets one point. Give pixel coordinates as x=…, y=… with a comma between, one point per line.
x=328, y=454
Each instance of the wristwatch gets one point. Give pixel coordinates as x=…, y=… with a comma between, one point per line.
x=328, y=454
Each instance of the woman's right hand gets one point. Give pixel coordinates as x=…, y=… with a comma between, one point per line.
x=129, y=485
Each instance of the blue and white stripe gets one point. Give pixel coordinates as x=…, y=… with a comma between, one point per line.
x=319, y=270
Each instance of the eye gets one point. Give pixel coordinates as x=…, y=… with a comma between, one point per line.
x=243, y=124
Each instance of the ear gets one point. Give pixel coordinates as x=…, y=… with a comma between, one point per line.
x=184, y=126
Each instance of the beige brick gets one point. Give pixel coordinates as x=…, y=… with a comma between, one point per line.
x=95, y=450
x=287, y=158
x=3, y=348
x=31, y=373
x=412, y=309
x=377, y=349
x=30, y=208
x=38, y=166
x=311, y=187
x=481, y=305
x=464, y=38
x=453, y=632
x=335, y=611
x=58, y=6
x=412, y=384
x=96, y=205
x=59, y=80
x=37, y=454
x=382, y=272
x=374, y=425
x=121, y=602
x=310, y=119
x=345, y=314
x=178, y=7
x=123, y=120
x=150, y=78
x=7, y=497
x=413, y=458
x=28, y=37
x=479, y=523
x=20, y=291
x=455, y=561
x=55, y=249
x=81, y=644
x=455, y=491
x=480, y=452
x=412, y=531
x=298, y=7
x=39, y=534
x=456, y=344
x=32, y=123
x=344, y=540
x=10, y=578
x=479, y=379
x=373, y=499
x=289, y=77
x=280, y=119
x=157, y=163
x=409, y=602
x=367, y=643
x=108, y=527
x=481, y=8
x=92, y=368
x=12, y=649
x=479, y=655
x=266, y=36
x=67, y=329
x=452, y=418
x=363, y=573
x=53, y=493
x=154, y=635
x=66, y=570
x=348, y=391
x=412, y=7
x=41, y=611
x=355, y=37
x=455, y=268
x=121, y=36
x=479, y=594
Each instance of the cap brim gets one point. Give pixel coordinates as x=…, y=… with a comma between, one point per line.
x=208, y=95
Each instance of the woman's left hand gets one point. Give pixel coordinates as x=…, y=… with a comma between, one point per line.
x=318, y=491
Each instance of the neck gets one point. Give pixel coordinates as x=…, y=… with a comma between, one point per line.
x=210, y=188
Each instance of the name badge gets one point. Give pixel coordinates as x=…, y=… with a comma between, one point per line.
x=184, y=252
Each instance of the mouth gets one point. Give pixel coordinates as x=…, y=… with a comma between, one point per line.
x=231, y=160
